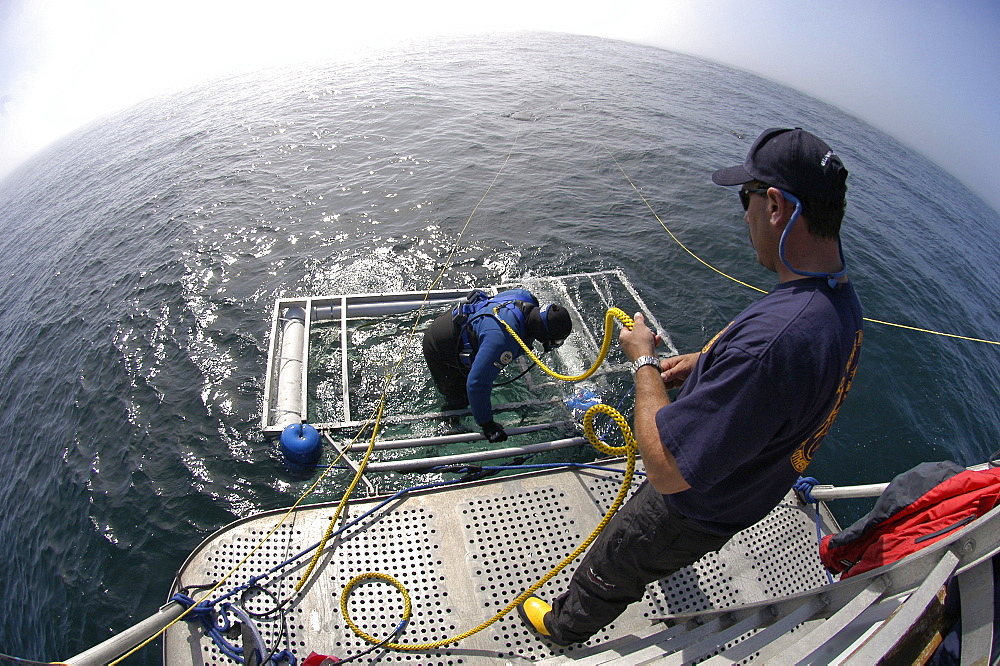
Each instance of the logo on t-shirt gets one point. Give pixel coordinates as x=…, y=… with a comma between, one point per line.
x=708, y=345
x=803, y=455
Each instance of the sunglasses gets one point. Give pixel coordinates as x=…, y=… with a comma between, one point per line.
x=745, y=195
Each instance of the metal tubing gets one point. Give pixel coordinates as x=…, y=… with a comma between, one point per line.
x=447, y=439
x=333, y=312
x=291, y=368
x=116, y=646
x=269, y=378
x=460, y=458
x=825, y=493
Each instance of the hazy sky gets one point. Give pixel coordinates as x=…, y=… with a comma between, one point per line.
x=924, y=71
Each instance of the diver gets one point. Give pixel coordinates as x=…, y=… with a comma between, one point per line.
x=466, y=348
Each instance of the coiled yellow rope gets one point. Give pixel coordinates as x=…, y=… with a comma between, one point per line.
x=628, y=450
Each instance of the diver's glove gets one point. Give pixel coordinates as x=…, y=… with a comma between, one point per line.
x=494, y=432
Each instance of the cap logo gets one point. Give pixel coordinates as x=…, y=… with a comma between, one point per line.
x=826, y=158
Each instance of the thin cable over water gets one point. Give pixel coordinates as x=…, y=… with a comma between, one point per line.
x=373, y=420
x=750, y=286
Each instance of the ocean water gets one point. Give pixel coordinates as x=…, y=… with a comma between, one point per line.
x=140, y=259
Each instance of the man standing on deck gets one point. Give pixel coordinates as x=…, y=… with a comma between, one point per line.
x=753, y=405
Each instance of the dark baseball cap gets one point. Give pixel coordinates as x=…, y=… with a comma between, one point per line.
x=792, y=160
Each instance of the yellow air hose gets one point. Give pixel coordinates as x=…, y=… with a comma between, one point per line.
x=613, y=313
x=629, y=451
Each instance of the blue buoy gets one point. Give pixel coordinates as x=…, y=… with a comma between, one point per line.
x=300, y=444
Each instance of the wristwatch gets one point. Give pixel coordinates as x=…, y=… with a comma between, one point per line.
x=644, y=360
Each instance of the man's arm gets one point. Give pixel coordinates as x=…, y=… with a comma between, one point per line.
x=650, y=396
x=482, y=374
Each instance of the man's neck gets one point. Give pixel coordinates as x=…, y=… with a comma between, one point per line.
x=817, y=256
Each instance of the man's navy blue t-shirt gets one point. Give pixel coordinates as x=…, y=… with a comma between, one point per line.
x=764, y=392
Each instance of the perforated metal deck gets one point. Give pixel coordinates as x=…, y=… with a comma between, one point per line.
x=463, y=553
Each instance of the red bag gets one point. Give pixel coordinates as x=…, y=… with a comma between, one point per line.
x=920, y=506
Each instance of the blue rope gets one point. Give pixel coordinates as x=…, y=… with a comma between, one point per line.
x=500, y=468
x=210, y=622
x=804, y=487
x=201, y=610
x=285, y=655
x=209, y=619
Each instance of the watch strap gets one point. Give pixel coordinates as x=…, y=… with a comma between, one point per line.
x=644, y=360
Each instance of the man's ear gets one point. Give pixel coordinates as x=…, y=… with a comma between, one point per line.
x=779, y=208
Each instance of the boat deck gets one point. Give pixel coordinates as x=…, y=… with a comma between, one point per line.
x=464, y=552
